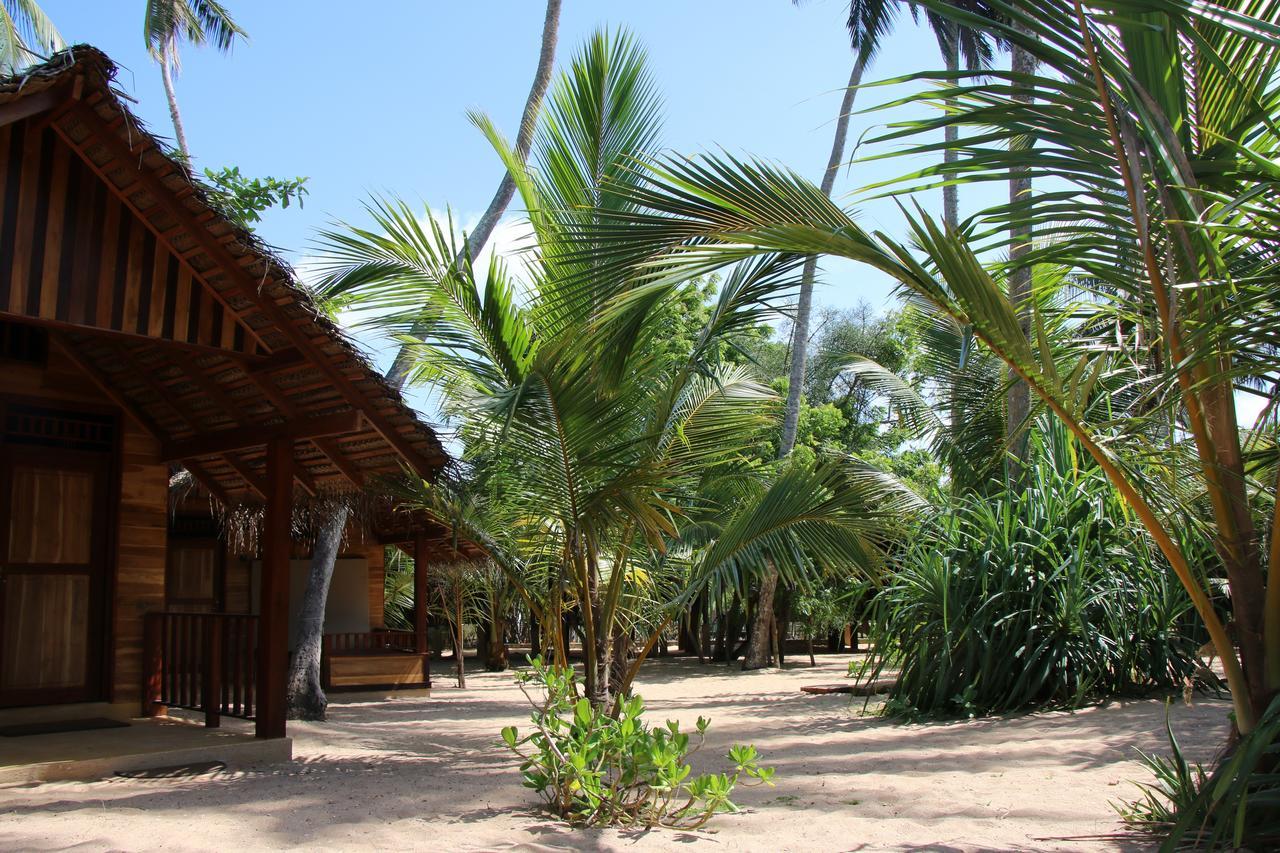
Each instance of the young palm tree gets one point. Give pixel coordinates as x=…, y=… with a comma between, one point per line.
x=559, y=376
x=170, y=22
x=1162, y=135
x=25, y=33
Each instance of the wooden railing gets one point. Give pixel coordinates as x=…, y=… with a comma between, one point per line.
x=202, y=661
x=370, y=642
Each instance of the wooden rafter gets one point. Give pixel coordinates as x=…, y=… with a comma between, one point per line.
x=248, y=287
x=225, y=441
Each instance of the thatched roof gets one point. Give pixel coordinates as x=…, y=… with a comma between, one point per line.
x=262, y=357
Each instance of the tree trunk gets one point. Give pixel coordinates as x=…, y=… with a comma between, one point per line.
x=1019, y=398
x=800, y=333
x=951, y=135
x=476, y=240
x=398, y=373
x=459, y=654
x=757, y=655
x=800, y=339
x=166, y=74
x=496, y=657
x=305, y=695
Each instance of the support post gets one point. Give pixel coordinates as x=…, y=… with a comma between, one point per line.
x=273, y=617
x=153, y=667
x=421, y=594
x=211, y=690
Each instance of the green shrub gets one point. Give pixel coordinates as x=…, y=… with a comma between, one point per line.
x=1047, y=596
x=1235, y=807
x=598, y=769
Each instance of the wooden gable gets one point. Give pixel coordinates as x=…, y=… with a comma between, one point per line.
x=89, y=260
x=185, y=320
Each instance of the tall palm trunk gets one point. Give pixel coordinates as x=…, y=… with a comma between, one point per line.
x=398, y=373
x=1019, y=397
x=951, y=135
x=399, y=370
x=166, y=74
x=758, y=646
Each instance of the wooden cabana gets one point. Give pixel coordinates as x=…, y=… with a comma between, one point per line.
x=142, y=331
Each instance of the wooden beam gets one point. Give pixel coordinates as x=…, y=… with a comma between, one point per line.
x=289, y=409
x=107, y=387
x=242, y=438
x=284, y=359
x=273, y=595
x=31, y=105
x=249, y=287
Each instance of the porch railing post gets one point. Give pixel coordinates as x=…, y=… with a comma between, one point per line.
x=211, y=690
x=421, y=593
x=153, y=665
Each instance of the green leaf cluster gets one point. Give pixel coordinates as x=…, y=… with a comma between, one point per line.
x=599, y=769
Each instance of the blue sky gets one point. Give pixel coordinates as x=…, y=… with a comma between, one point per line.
x=377, y=101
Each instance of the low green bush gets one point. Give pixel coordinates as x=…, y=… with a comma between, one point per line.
x=594, y=768
x=1048, y=596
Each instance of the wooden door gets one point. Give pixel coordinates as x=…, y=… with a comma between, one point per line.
x=53, y=575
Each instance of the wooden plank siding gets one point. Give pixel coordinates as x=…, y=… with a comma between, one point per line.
x=89, y=260
x=142, y=516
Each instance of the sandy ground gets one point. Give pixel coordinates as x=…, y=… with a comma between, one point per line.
x=428, y=774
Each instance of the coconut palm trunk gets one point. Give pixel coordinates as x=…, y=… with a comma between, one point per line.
x=1022, y=64
x=757, y=653
x=398, y=373
x=175, y=114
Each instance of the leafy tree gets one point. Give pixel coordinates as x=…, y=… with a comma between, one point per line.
x=1162, y=124
x=245, y=199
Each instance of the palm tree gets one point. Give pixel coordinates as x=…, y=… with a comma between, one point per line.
x=1160, y=129
x=198, y=22
x=869, y=24
x=560, y=381
x=306, y=697
x=25, y=33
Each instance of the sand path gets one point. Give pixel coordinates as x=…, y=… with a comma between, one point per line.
x=427, y=774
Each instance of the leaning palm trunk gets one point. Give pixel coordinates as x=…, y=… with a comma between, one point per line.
x=398, y=373
x=757, y=649
x=175, y=115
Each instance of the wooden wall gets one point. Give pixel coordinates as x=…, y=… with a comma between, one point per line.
x=144, y=522
x=142, y=507
x=71, y=251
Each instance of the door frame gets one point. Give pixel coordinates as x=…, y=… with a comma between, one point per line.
x=104, y=544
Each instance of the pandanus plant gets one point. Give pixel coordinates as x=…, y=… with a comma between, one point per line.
x=1156, y=133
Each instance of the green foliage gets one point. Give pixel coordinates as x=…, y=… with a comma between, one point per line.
x=244, y=199
x=597, y=769
x=1236, y=807
x=1049, y=596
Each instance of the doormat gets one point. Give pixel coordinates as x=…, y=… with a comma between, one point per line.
x=55, y=727
x=174, y=771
